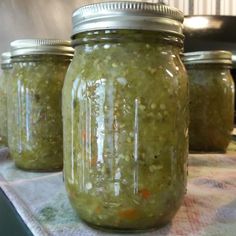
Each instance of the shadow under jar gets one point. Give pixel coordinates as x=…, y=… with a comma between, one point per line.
x=34, y=103
x=5, y=76
x=211, y=100
x=125, y=116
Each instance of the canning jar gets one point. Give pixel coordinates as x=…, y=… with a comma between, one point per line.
x=211, y=100
x=233, y=73
x=6, y=72
x=34, y=107
x=125, y=115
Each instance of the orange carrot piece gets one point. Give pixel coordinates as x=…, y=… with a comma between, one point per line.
x=144, y=193
x=98, y=209
x=84, y=135
x=94, y=161
x=129, y=214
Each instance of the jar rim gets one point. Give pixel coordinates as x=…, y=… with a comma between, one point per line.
x=234, y=59
x=208, y=57
x=127, y=15
x=6, y=58
x=41, y=46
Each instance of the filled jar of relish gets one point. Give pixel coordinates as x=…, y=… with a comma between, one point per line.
x=6, y=67
x=211, y=100
x=125, y=115
x=34, y=107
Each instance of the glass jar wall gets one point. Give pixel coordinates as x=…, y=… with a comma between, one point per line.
x=34, y=109
x=125, y=121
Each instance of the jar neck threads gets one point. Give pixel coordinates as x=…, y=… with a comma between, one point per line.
x=119, y=36
x=40, y=57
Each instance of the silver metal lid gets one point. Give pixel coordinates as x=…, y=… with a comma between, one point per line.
x=128, y=15
x=208, y=57
x=234, y=59
x=41, y=46
x=6, y=58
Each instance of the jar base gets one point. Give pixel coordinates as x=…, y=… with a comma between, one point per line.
x=194, y=151
x=110, y=229
x=39, y=170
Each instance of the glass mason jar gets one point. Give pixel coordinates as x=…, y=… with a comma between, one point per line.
x=233, y=73
x=34, y=103
x=125, y=116
x=6, y=72
x=211, y=100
